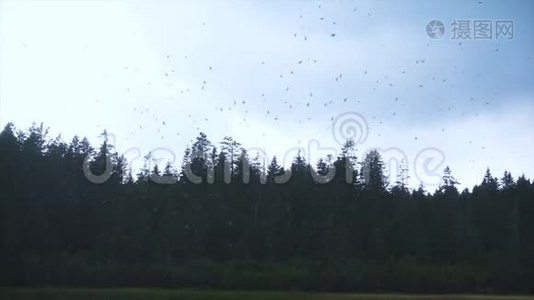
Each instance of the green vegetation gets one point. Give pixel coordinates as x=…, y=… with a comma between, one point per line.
x=167, y=294
x=360, y=234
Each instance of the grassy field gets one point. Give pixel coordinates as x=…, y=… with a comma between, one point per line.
x=159, y=294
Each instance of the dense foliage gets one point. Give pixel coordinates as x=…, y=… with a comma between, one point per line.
x=58, y=228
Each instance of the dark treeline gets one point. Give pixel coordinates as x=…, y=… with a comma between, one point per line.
x=58, y=228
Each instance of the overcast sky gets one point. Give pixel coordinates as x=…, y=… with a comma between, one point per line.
x=285, y=74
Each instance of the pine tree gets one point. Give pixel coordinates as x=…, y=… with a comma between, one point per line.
x=448, y=182
x=489, y=181
x=274, y=170
x=507, y=181
x=372, y=172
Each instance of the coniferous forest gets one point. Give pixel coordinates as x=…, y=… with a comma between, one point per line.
x=357, y=232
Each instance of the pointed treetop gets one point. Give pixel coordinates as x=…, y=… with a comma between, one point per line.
x=448, y=180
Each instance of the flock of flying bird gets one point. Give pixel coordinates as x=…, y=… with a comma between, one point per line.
x=296, y=109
